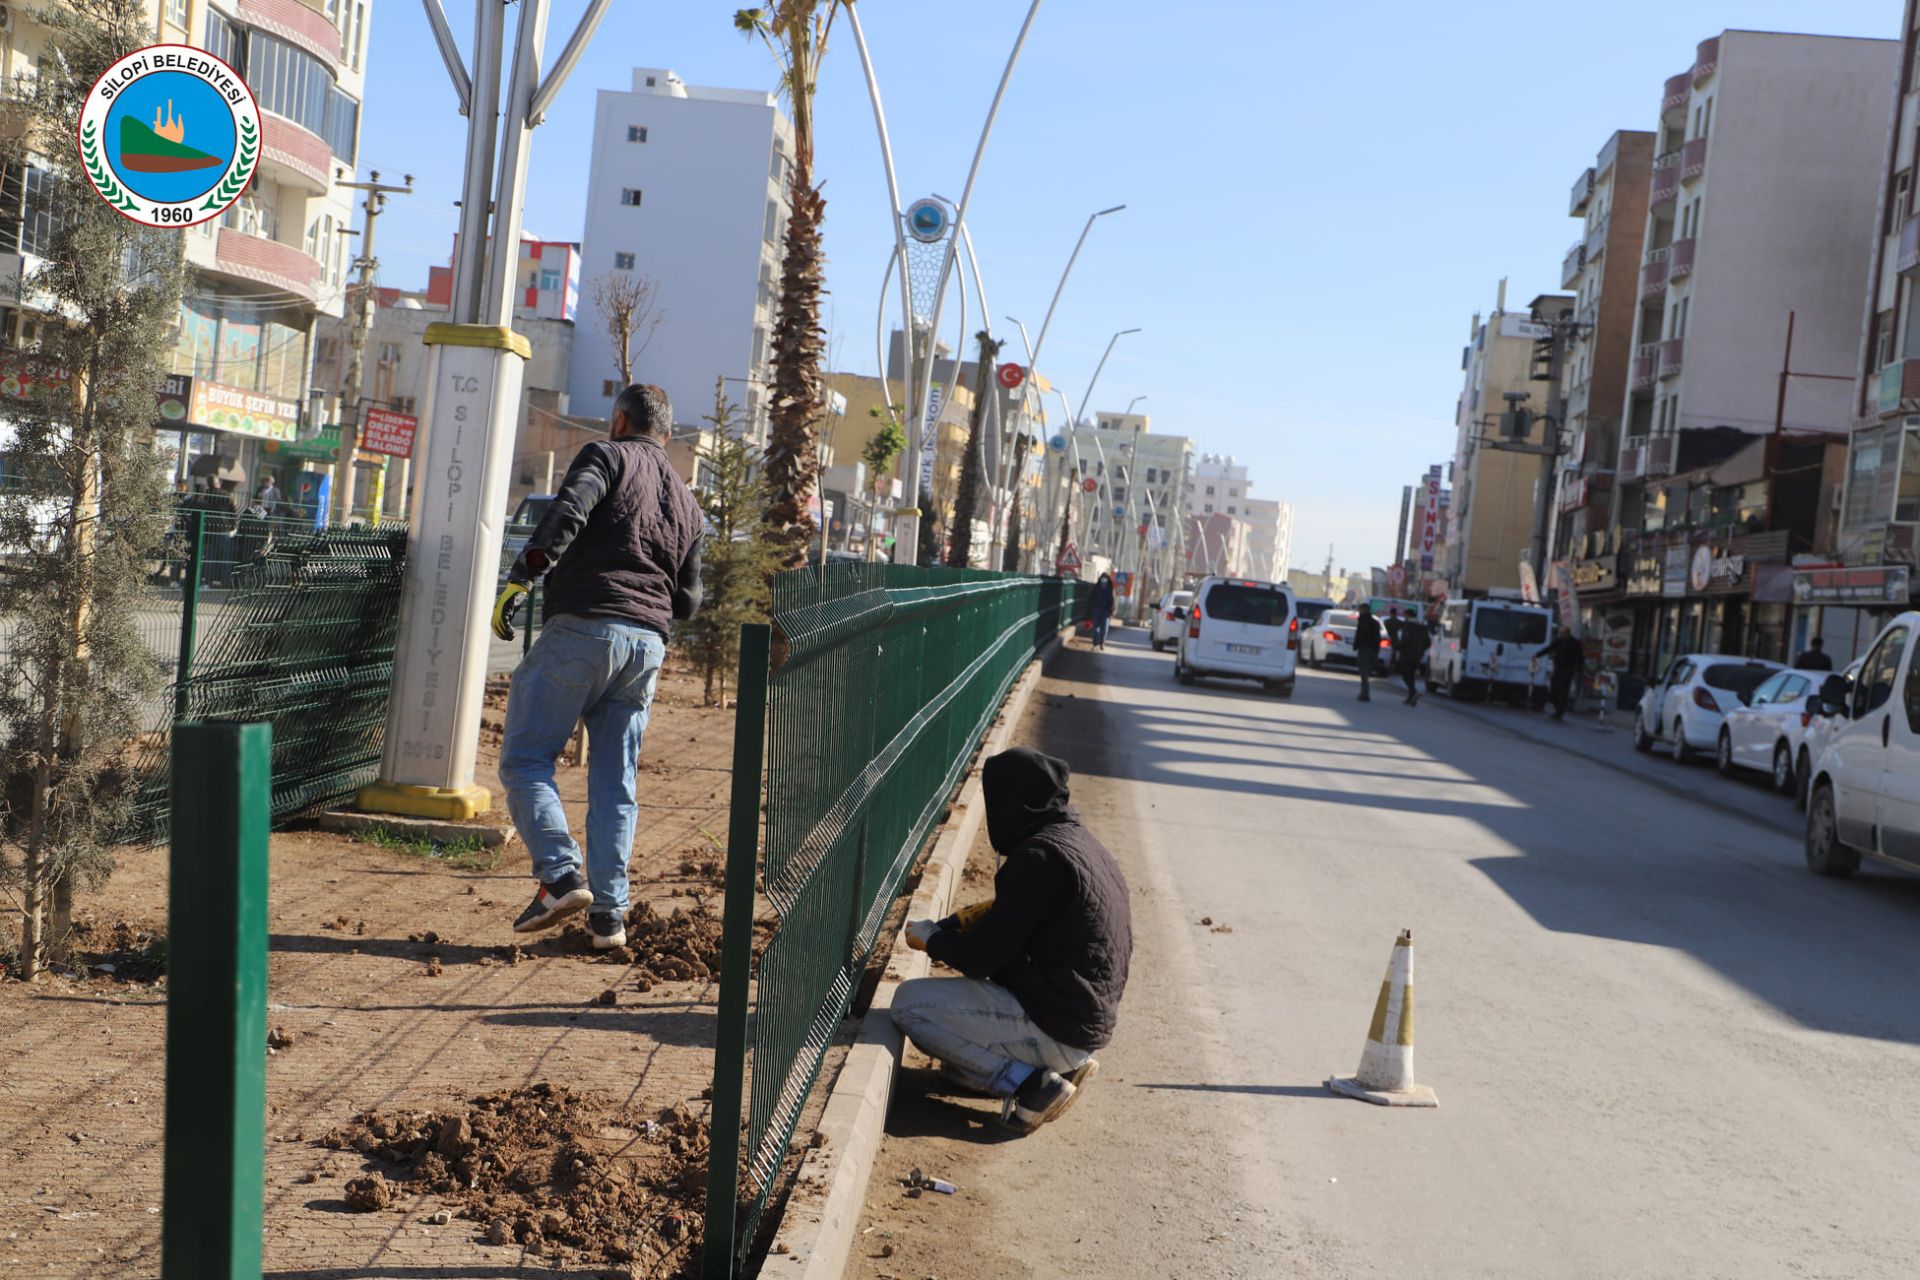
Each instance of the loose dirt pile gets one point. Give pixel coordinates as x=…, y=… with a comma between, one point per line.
x=122, y=951
x=563, y=1175
x=679, y=947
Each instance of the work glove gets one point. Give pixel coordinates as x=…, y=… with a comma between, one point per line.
x=512, y=598
x=919, y=931
x=966, y=917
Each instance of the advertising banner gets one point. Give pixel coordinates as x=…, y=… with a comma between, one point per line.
x=1429, y=517
x=1885, y=584
x=389, y=432
x=248, y=413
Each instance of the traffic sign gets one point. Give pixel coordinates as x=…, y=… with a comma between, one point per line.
x=1012, y=375
x=1143, y=530
x=1057, y=443
x=1069, y=561
x=1089, y=484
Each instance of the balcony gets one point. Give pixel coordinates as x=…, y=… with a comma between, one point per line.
x=1646, y=361
x=293, y=156
x=1582, y=194
x=1573, y=264
x=1653, y=274
x=1680, y=259
x=1633, y=459
x=1900, y=387
x=1660, y=456
x=298, y=25
x=1679, y=89
x=1666, y=178
x=1693, y=160
x=1608, y=154
x=1706, y=60
x=1597, y=239
x=1909, y=246
x=1672, y=353
x=267, y=262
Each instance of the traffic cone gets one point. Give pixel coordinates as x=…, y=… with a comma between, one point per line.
x=1385, y=1077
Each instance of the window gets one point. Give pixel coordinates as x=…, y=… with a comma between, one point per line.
x=1233, y=493
x=649, y=82
x=403, y=404
x=779, y=172
x=1902, y=198
x=1152, y=475
x=177, y=13
x=1232, y=510
x=1209, y=494
x=636, y=133
x=359, y=33
x=1207, y=510
x=623, y=262
x=291, y=83
x=26, y=211
x=223, y=41
x=610, y=388
x=630, y=196
x=1510, y=626
x=1874, y=685
x=389, y=353
x=549, y=279
x=1735, y=678
x=1912, y=697
x=1257, y=606
x=772, y=224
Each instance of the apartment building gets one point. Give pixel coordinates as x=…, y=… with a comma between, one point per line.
x=1603, y=270
x=1490, y=520
x=273, y=264
x=1269, y=538
x=1760, y=232
x=1141, y=478
x=687, y=186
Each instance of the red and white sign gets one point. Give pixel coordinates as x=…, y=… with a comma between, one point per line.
x=389, y=432
x=1089, y=484
x=1011, y=376
x=1069, y=561
x=1430, y=518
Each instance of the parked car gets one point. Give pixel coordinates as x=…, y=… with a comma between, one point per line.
x=1330, y=639
x=1864, y=799
x=1242, y=630
x=1311, y=609
x=1170, y=619
x=1687, y=707
x=1768, y=733
x=1487, y=647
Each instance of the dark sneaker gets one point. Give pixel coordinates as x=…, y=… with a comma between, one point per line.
x=553, y=903
x=607, y=929
x=1045, y=1096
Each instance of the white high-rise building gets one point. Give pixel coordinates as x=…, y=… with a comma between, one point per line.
x=1269, y=539
x=687, y=186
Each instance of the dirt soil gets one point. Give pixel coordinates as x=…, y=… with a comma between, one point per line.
x=396, y=989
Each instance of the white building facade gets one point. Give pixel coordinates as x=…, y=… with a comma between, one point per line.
x=687, y=187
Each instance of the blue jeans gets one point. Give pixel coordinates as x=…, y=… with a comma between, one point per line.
x=1100, y=621
x=602, y=671
x=979, y=1031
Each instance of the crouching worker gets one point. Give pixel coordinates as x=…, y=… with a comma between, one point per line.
x=1045, y=961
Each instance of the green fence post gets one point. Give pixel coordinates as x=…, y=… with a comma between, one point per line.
x=189, y=612
x=719, y=1249
x=216, y=1003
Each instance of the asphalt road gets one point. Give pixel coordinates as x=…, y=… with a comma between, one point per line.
x=1661, y=1046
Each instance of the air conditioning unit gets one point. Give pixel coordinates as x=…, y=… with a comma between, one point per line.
x=6, y=17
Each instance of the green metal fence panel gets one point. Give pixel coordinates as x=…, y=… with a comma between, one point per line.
x=882, y=681
x=282, y=623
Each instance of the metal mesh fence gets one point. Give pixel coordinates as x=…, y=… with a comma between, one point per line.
x=883, y=679
x=280, y=621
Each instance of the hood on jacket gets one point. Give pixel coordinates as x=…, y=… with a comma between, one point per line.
x=1024, y=791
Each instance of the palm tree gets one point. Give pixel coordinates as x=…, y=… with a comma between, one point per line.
x=973, y=463
x=795, y=32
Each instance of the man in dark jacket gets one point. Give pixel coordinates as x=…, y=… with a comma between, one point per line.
x=620, y=546
x=1045, y=961
x=1814, y=658
x=1366, y=648
x=1569, y=658
x=1409, y=651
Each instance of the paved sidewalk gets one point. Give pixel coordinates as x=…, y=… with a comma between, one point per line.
x=1610, y=743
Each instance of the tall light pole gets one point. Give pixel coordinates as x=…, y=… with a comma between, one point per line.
x=364, y=303
x=1136, y=400
x=1060, y=288
x=1093, y=382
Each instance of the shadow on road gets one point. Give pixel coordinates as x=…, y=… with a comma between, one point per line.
x=1609, y=856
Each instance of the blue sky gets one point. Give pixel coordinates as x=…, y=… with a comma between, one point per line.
x=1318, y=197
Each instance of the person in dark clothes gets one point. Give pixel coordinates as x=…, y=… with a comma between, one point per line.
x=1366, y=648
x=1815, y=658
x=1409, y=651
x=1045, y=962
x=620, y=547
x=1100, y=610
x=1569, y=658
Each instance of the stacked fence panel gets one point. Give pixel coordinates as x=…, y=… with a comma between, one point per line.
x=882, y=681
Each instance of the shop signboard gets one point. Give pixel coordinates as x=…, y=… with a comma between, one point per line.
x=247, y=413
x=22, y=371
x=1560, y=575
x=1429, y=517
x=1673, y=572
x=1597, y=576
x=170, y=406
x=1878, y=585
x=388, y=431
x=324, y=446
x=1644, y=575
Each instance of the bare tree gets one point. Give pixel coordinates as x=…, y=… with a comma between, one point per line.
x=630, y=308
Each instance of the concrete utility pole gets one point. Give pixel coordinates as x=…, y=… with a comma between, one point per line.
x=1564, y=328
x=458, y=508
x=364, y=303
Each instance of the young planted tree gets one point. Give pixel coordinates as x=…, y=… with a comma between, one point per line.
x=628, y=306
x=739, y=557
x=795, y=31
x=929, y=529
x=879, y=453
x=86, y=520
x=973, y=463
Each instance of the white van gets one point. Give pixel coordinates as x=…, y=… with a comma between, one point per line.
x=1487, y=647
x=1864, y=798
x=1241, y=630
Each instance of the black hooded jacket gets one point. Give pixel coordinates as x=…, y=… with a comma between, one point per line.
x=1059, y=934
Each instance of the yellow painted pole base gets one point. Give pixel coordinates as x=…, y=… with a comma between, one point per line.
x=443, y=803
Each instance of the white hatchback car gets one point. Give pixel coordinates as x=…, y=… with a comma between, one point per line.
x=1241, y=630
x=1330, y=639
x=1686, y=708
x=1170, y=619
x=1768, y=734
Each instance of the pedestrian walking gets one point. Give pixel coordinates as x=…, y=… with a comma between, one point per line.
x=1044, y=963
x=267, y=497
x=1409, y=651
x=1569, y=658
x=620, y=547
x=1101, y=610
x=1366, y=648
x=1814, y=658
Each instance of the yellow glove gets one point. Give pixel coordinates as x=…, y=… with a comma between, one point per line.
x=509, y=603
x=966, y=917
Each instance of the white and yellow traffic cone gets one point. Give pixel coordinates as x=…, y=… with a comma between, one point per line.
x=1385, y=1076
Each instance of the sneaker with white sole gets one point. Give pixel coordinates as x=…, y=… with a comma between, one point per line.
x=553, y=903
x=607, y=929
x=1045, y=1096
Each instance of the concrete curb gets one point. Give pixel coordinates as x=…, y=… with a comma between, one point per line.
x=491, y=835
x=831, y=1187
